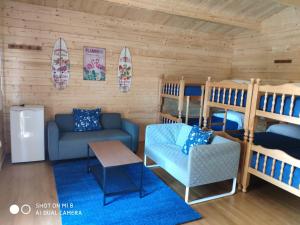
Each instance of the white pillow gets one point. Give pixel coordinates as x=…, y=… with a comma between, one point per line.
x=183, y=134
x=290, y=130
x=233, y=116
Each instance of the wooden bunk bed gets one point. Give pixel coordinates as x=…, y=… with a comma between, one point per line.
x=228, y=95
x=183, y=91
x=272, y=157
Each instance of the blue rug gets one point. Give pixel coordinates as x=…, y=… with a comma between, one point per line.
x=80, y=199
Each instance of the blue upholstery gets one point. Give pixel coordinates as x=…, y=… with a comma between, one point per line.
x=111, y=120
x=170, y=157
x=65, y=122
x=205, y=164
x=183, y=135
x=73, y=143
x=64, y=143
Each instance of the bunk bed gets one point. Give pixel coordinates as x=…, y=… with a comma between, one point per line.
x=272, y=155
x=227, y=106
x=182, y=92
x=231, y=97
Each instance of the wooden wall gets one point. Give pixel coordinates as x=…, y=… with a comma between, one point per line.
x=279, y=39
x=1, y=85
x=156, y=50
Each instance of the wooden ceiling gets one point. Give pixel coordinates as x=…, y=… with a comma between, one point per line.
x=221, y=16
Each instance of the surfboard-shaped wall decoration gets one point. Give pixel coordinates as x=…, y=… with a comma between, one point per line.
x=60, y=64
x=125, y=70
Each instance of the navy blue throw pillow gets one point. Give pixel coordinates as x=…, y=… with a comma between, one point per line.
x=197, y=136
x=86, y=119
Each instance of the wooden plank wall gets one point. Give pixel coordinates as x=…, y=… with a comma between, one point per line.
x=279, y=39
x=1, y=85
x=156, y=50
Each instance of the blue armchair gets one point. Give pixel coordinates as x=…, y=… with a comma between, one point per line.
x=64, y=143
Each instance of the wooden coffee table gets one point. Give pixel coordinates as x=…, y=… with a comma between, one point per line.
x=114, y=155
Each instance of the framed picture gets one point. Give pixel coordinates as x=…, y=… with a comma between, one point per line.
x=94, y=64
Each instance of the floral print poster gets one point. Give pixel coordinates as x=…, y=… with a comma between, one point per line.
x=94, y=64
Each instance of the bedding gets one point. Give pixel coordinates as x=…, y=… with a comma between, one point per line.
x=230, y=125
x=286, y=105
x=276, y=141
x=189, y=90
x=231, y=101
x=234, y=117
x=290, y=130
x=192, y=90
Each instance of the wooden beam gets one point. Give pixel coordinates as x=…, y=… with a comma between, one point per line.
x=289, y=2
x=181, y=8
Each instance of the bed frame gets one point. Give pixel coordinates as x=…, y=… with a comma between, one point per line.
x=173, y=88
x=266, y=90
x=213, y=89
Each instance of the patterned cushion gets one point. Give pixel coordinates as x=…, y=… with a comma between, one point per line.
x=196, y=137
x=86, y=119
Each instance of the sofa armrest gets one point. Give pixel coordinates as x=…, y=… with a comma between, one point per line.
x=162, y=133
x=213, y=163
x=132, y=129
x=53, y=139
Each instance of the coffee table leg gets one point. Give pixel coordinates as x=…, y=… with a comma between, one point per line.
x=141, y=184
x=88, y=159
x=104, y=183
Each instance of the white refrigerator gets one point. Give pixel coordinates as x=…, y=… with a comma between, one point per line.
x=27, y=133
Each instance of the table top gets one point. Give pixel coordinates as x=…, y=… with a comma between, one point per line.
x=113, y=153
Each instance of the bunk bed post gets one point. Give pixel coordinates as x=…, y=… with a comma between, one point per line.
x=206, y=98
x=224, y=120
x=252, y=123
x=187, y=109
x=161, y=99
x=201, y=104
x=248, y=109
x=181, y=98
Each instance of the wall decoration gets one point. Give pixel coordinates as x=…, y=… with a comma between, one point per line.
x=125, y=70
x=94, y=64
x=60, y=64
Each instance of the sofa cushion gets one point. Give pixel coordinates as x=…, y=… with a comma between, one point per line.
x=183, y=134
x=86, y=119
x=196, y=137
x=111, y=120
x=74, y=144
x=170, y=157
x=65, y=122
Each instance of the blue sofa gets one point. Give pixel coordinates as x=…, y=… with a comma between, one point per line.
x=64, y=143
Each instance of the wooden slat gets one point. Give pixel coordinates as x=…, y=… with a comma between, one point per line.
x=172, y=51
x=189, y=11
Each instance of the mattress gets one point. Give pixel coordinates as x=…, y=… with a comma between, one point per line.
x=189, y=90
x=230, y=124
x=231, y=100
x=192, y=90
x=286, y=105
x=276, y=141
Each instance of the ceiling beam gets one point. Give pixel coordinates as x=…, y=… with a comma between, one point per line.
x=181, y=8
x=289, y=2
